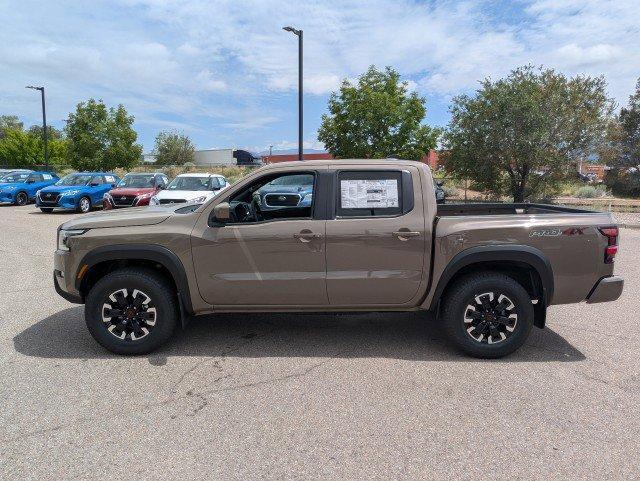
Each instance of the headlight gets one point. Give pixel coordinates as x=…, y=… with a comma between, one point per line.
x=69, y=192
x=308, y=197
x=198, y=200
x=106, y=196
x=144, y=196
x=154, y=201
x=37, y=193
x=64, y=235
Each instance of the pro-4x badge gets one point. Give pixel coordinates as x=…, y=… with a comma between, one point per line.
x=557, y=232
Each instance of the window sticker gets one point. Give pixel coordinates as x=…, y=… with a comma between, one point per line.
x=369, y=194
x=47, y=176
x=109, y=179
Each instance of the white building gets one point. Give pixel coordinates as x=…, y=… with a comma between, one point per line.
x=214, y=157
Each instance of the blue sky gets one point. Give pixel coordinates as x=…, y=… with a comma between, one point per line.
x=226, y=74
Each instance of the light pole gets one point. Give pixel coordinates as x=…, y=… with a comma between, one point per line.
x=299, y=34
x=44, y=125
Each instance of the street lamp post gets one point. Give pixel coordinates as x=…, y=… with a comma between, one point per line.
x=299, y=34
x=44, y=125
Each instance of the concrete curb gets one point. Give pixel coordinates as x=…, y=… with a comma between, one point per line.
x=628, y=226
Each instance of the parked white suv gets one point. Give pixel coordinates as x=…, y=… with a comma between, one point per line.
x=193, y=188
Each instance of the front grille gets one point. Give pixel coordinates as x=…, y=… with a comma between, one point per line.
x=49, y=198
x=281, y=200
x=123, y=200
x=172, y=201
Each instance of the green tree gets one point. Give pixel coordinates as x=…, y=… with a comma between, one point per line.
x=376, y=118
x=9, y=122
x=624, y=149
x=101, y=138
x=18, y=149
x=522, y=134
x=173, y=148
x=52, y=132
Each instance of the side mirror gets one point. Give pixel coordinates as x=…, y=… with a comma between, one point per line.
x=222, y=211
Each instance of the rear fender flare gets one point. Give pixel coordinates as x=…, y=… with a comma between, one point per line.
x=522, y=254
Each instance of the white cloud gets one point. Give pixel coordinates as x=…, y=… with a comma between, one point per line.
x=227, y=63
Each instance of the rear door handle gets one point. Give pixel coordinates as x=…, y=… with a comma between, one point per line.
x=405, y=234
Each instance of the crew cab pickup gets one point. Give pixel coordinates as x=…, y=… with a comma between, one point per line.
x=372, y=238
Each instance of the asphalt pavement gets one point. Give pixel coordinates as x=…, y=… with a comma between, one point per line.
x=366, y=396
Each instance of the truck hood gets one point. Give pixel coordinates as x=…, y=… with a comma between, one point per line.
x=122, y=218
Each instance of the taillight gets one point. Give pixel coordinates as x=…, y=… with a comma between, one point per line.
x=611, y=233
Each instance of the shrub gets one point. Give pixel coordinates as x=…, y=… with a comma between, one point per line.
x=590, y=192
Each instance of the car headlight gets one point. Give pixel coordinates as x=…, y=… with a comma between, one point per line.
x=37, y=193
x=154, y=201
x=308, y=197
x=65, y=235
x=106, y=196
x=144, y=196
x=198, y=200
x=69, y=192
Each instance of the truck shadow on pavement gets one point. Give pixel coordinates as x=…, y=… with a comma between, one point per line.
x=408, y=336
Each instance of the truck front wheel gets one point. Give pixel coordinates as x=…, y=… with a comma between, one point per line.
x=487, y=315
x=131, y=311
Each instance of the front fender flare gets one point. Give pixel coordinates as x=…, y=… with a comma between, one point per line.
x=149, y=252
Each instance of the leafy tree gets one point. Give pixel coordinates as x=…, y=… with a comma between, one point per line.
x=52, y=132
x=9, y=122
x=623, y=149
x=18, y=149
x=521, y=134
x=101, y=138
x=376, y=118
x=173, y=148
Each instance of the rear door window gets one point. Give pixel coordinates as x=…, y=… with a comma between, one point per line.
x=370, y=193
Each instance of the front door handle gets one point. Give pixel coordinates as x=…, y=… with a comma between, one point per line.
x=404, y=235
x=306, y=236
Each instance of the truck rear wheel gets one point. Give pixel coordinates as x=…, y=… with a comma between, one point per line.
x=131, y=311
x=487, y=315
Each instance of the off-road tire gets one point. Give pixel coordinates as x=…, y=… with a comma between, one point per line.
x=457, y=310
x=161, y=294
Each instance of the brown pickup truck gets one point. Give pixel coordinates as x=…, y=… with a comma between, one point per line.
x=347, y=235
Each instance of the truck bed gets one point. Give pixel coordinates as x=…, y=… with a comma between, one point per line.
x=499, y=208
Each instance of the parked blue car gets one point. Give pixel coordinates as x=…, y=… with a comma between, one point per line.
x=80, y=192
x=285, y=193
x=19, y=188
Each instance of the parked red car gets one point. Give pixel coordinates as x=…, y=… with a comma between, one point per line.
x=134, y=190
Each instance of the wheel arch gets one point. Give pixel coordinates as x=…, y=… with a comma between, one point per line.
x=527, y=265
x=101, y=260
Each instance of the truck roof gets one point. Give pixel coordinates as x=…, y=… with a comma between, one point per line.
x=323, y=162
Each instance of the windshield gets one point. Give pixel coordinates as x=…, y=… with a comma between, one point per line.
x=75, y=179
x=293, y=180
x=21, y=177
x=190, y=183
x=137, y=180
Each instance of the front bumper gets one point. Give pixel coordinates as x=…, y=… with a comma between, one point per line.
x=606, y=289
x=63, y=202
x=64, y=278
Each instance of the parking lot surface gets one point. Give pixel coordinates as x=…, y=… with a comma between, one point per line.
x=375, y=396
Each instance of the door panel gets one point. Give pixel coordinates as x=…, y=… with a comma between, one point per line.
x=370, y=261
x=270, y=263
